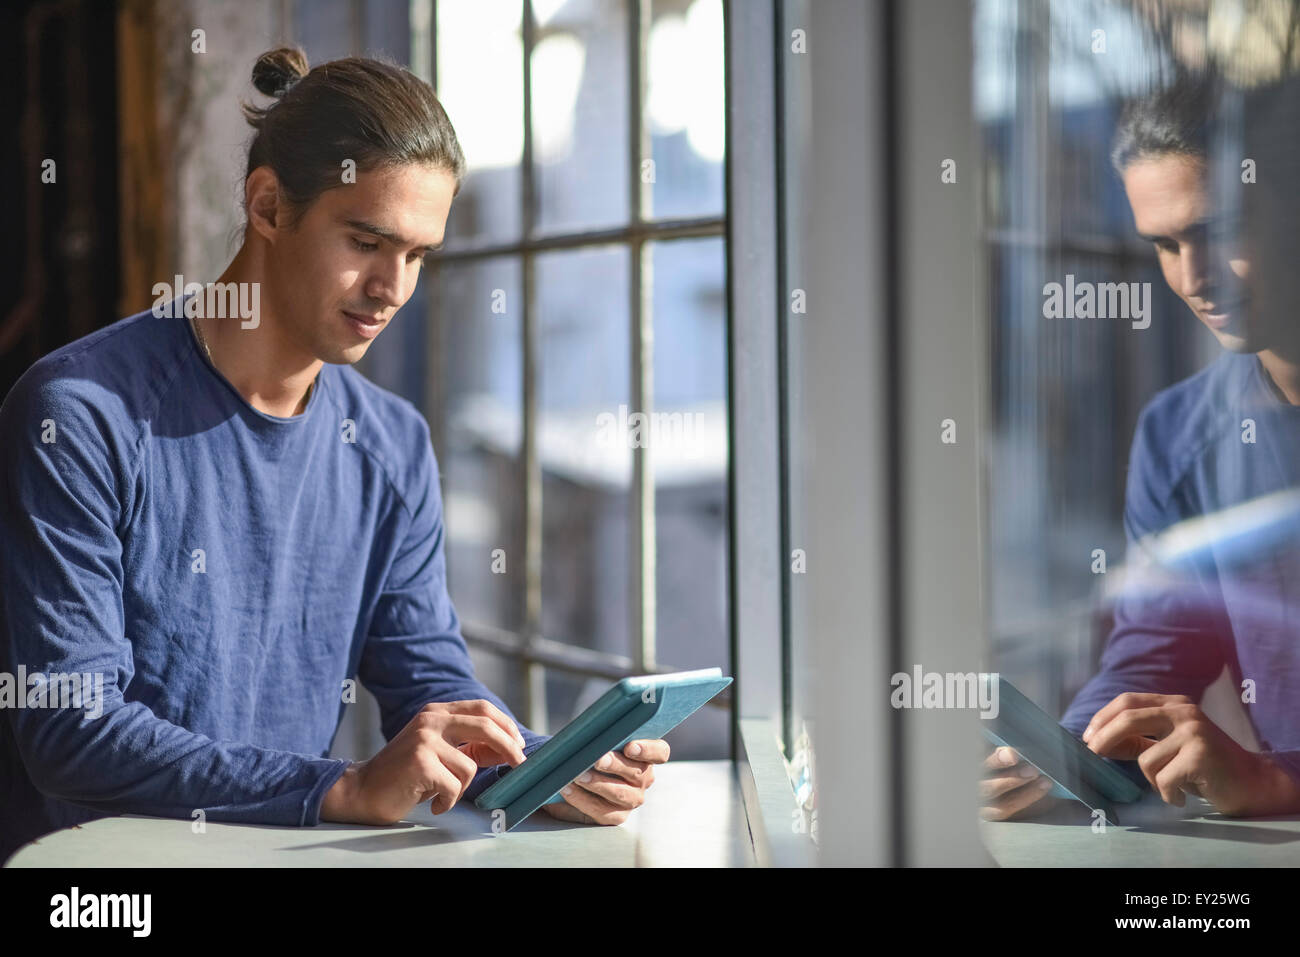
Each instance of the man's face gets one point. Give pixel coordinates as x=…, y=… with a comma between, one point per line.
x=1197, y=248
x=354, y=257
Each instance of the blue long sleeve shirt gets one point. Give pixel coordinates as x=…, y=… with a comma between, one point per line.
x=1220, y=444
x=222, y=572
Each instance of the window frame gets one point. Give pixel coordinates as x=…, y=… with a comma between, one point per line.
x=527, y=644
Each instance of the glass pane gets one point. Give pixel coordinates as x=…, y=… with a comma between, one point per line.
x=1066, y=393
x=684, y=108
x=1142, y=534
x=386, y=27
x=480, y=364
x=324, y=30
x=579, y=93
x=687, y=438
x=582, y=313
x=480, y=83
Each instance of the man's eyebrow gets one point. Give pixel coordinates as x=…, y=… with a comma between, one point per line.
x=387, y=234
x=1208, y=224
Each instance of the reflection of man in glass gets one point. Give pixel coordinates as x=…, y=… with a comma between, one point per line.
x=1223, y=443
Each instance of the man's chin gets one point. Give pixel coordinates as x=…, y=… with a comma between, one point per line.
x=1237, y=340
x=1237, y=344
x=344, y=355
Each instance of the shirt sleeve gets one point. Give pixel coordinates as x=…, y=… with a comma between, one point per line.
x=414, y=651
x=1170, y=626
x=64, y=499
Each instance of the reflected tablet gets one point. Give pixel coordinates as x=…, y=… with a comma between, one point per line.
x=1077, y=772
x=639, y=708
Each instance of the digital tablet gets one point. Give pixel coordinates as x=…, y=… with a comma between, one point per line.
x=1075, y=771
x=639, y=708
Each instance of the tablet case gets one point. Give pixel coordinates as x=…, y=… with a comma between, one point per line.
x=635, y=708
x=1075, y=771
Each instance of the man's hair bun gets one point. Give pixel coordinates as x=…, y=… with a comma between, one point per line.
x=370, y=113
x=276, y=71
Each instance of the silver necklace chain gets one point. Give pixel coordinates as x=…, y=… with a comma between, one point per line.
x=194, y=324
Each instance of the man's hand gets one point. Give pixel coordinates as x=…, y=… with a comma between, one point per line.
x=1180, y=751
x=1012, y=788
x=609, y=792
x=435, y=757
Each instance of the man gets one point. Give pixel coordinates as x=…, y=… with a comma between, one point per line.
x=1223, y=442
x=219, y=522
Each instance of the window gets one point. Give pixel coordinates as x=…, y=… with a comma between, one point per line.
x=583, y=282
x=1066, y=394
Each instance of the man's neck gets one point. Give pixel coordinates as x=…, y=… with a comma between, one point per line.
x=270, y=371
x=1284, y=373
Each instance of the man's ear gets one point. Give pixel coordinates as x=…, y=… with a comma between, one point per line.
x=264, y=203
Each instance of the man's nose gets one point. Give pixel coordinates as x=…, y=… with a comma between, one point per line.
x=384, y=287
x=1195, y=273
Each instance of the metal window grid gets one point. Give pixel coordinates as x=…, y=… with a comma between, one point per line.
x=528, y=645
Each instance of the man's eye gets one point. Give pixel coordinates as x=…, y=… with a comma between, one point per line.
x=1165, y=246
x=364, y=247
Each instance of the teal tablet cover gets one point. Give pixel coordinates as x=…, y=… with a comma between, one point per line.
x=1076, y=772
x=636, y=708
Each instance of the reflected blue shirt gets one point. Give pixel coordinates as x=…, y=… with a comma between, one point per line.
x=1224, y=593
x=224, y=570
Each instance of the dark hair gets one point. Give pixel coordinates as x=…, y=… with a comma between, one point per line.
x=1173, y=120
x=370, y=111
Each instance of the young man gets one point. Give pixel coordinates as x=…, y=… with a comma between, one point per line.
x=218, y=522
x=1228, y=436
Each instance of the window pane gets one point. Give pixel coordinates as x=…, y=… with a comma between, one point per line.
x=480, y=365
x=386, y=27
x=684, y=107
x=324, y=29
x=579, y=94
x=480, y=83
x=1089, y=339
x=582, y=312
x=688, y=445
